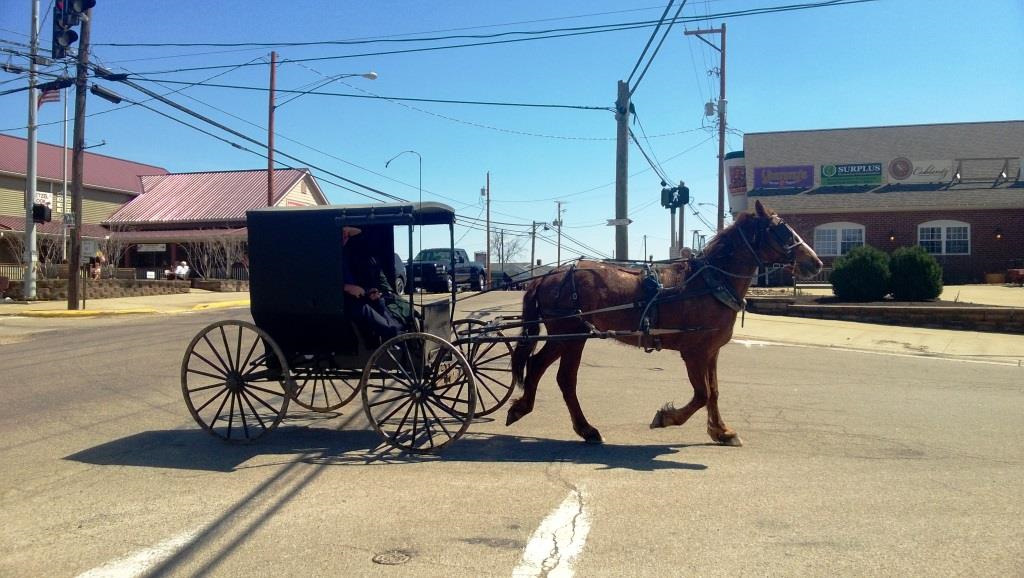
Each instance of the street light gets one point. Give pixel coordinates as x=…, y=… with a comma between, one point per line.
x=419, y=157
x=367, y=75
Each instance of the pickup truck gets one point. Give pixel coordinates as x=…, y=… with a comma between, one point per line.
x=431, y=270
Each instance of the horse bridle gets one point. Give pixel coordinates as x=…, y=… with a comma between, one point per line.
x=785, y=246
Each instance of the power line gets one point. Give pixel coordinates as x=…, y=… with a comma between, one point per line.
x=534, y=35
x=374, y=97
x=668, y=28
x=649, y=41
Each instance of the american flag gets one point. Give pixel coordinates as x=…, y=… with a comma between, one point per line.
x=48, y=96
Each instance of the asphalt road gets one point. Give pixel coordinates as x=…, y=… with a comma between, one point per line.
x=853, y=464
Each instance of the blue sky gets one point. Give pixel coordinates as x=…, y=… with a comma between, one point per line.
x=867, y=64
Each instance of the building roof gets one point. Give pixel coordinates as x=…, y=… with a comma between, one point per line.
x=17, y=224
x=885, y=199
x=100, y=171
x=207, y=197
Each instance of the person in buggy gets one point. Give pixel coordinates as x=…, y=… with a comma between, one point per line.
x=370, y=301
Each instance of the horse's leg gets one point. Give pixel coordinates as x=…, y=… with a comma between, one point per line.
x=568, y=370
x=716, y=427
x=535, y=368
x=696, y=370
x=703, y=374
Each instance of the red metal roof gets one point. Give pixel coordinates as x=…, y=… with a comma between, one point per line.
x=101, y=172
x=17, y=224
x=204, y=197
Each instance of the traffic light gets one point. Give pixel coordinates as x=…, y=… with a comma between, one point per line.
x=675, y=197
x=66, y=15
x=41, y=213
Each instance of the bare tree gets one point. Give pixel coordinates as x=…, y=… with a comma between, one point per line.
x=115, y=246
x=214, y=257
x=507, y=246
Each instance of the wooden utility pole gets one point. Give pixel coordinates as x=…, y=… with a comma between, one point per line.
x=270, y=133
x=487, y=200
x=78, y=161
x=621, y=174
x=722, y=105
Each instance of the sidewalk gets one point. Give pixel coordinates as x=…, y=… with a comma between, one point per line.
x=195, y=300
x=973, y=345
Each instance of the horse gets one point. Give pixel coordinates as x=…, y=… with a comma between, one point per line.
x=692, y=311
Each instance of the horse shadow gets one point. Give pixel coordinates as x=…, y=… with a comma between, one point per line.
x=194, y=449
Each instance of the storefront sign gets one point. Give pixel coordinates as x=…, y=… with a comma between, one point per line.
x=852, y=174
x=44, y=199
x=904, y=170
x=784, y=177
x=151, y=247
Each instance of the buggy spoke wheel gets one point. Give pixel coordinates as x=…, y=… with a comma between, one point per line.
x=418, y=392
x=235, y=381
x=320, y=385
x=491, y=364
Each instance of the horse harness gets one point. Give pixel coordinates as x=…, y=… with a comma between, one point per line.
x=654, y=294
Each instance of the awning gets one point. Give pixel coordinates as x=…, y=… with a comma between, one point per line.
x=178, y=235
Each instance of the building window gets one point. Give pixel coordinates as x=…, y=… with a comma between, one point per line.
x=945, y=237
x=834, y=239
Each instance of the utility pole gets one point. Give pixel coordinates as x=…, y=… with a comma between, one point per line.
x=621, y=173
x=501, y=248
x=532, y=245
x=558, y=223
x=31, y=255
x=270, y=132
x=682, y=223
x=487, y=199
x=78, y=160
x=64, y=179
x=722, y=106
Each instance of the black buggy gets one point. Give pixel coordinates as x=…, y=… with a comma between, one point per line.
x=419, y=390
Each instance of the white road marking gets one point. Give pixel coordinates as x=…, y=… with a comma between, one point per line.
x=557, y=543
x=138, y=563
x=966, y=358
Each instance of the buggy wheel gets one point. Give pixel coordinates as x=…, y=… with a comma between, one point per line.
x=491, y=364
x=235, y=381
x=418, y=392
x=320, y=385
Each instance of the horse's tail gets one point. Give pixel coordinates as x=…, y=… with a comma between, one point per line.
x=531, y=326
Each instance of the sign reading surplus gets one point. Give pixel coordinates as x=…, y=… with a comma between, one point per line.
x=784, y=177
x=852, y=174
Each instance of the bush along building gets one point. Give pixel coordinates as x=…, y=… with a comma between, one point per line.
x=955, y=190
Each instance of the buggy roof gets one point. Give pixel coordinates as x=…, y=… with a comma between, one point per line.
x=378, y=213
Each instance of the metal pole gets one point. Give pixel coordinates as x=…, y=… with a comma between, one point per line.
x=676, y=241
x=621, y=173
x=721, y=136
x=558, y=216
x=31, y=254
x=533, y=246
x=270, y=133
x=682, y=226
x=78, y=160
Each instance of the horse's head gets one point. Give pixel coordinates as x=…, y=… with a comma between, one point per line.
x=776, y=242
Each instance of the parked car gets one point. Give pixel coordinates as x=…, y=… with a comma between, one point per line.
x=399, y=275
x=431, y=270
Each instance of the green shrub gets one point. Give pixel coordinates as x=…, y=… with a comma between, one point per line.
x=861, y=275
x=915, y=275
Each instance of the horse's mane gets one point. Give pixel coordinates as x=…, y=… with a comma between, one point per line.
x=721, y=244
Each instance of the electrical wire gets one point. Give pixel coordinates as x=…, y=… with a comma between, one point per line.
x=668, y=28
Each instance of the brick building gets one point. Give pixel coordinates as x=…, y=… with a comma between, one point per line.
x=954, y=189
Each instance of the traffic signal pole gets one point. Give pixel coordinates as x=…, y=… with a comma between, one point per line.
x=78, y=162
x=31, y=253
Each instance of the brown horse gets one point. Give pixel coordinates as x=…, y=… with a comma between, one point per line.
x=693, y=313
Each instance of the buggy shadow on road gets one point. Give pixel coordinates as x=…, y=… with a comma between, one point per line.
x=190, y=449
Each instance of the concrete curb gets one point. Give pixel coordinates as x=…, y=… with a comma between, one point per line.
x=78, y=312
x=221, y=305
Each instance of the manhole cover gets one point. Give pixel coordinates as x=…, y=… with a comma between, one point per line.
x=392, y=558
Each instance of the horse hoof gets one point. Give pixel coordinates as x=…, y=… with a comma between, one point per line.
x=658, y=421
x=592, y=437
x=730, y=439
